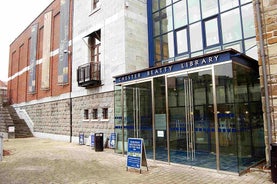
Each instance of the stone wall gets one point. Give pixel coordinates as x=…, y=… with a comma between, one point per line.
x=268, y=9
x=96, y=101
x=54, y=117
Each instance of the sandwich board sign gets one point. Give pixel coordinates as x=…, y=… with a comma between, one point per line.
x=136, y=155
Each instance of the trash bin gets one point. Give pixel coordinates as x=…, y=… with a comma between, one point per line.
x=81, y=138
x=1, y=147
x=274, y=162
x=98, y=142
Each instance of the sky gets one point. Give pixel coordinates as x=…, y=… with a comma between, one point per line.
x=15, y=17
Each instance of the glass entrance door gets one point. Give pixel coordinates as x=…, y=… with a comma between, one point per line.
x=191, y=119
x=138, y=113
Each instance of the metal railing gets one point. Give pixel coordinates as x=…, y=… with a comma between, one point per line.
x=89, y=74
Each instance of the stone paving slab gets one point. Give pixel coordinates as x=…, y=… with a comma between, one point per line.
x=35, y=160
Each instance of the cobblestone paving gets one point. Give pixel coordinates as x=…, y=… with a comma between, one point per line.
x=38, y=161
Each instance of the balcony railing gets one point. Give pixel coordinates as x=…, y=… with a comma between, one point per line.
x=88, y=75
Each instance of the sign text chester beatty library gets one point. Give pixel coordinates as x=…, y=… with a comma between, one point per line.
x=174, y=67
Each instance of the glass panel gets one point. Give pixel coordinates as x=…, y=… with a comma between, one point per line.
x=180, y=14
x=164, y=3
x=245, y=1
x=182, y=42
x=168, y=46
x=160, y=119
x=191, y=119
x=155, y=5
x=248, y=116
x=211, y=30
x=158, y=50
x=251, y=48
x=231, y=26
x=227, y=133
x=236, y=46
x=118, y=119
x=209, y=8
x=228, y=4
x=248, y=20
x=166, y=19
x=156, y=23
x=240, y=120
x=194, y=10
x=196, y=42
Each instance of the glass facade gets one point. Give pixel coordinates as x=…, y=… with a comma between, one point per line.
x=184, y=28
x=206, y=116
x=188, y=107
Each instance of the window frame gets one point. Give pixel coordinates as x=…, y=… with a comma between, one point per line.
x=105, y=113
x=204, y=32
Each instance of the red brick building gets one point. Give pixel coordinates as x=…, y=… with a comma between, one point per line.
x=38, y=53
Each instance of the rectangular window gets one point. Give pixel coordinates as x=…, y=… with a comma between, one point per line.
x=182, y=41
x=228, y=4
x=231, y=26
x=180, y=14
x=248, y=21
x=94, y=46
x=194, y=11
x=94, y=113
x=105, y=113
x=166, y=19
x=209, y=8
x=211, y=32
x=86, y=114
x=196, y=41
x=168, y=46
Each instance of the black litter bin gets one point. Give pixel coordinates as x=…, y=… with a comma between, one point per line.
x=274, y=162
x=81, y=138
x=98, y=142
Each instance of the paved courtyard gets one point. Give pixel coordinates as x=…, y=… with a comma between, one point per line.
x=35, y=160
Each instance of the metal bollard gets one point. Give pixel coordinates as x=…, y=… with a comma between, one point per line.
x=1, y=147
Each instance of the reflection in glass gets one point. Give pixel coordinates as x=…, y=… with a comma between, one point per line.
x=251, y=48
x=182, y=42
x=231, y=26
x=164, y=3
x=196, y=42
x=155, y=5
x=211, y=30
x=158, y=51
x=248, y=20
x=228, y=4
x=194, y=11
x=166, y=19
x=156, y=23
x=180, y=14
x=209, y=8
x=168, y=46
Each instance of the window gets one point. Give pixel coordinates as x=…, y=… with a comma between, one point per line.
x=86, y=116
x=94, y=113
x=105, y=113
x=180, y=14
x=94, y=42
x=182, y=41
x=96, y=4
x=211, y=32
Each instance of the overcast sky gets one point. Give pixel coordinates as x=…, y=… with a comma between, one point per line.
x=15, y=16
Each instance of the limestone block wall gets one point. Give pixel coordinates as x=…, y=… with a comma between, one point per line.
x=96, y=101
x=50, y=117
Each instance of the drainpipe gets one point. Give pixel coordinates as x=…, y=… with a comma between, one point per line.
x=261, y=40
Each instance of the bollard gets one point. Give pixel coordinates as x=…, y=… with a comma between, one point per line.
x=1, y=147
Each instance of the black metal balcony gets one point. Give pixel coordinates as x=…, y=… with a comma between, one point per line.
x=88, y=75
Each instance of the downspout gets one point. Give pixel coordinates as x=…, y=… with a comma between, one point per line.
x=70, y=92
x=268, y=115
